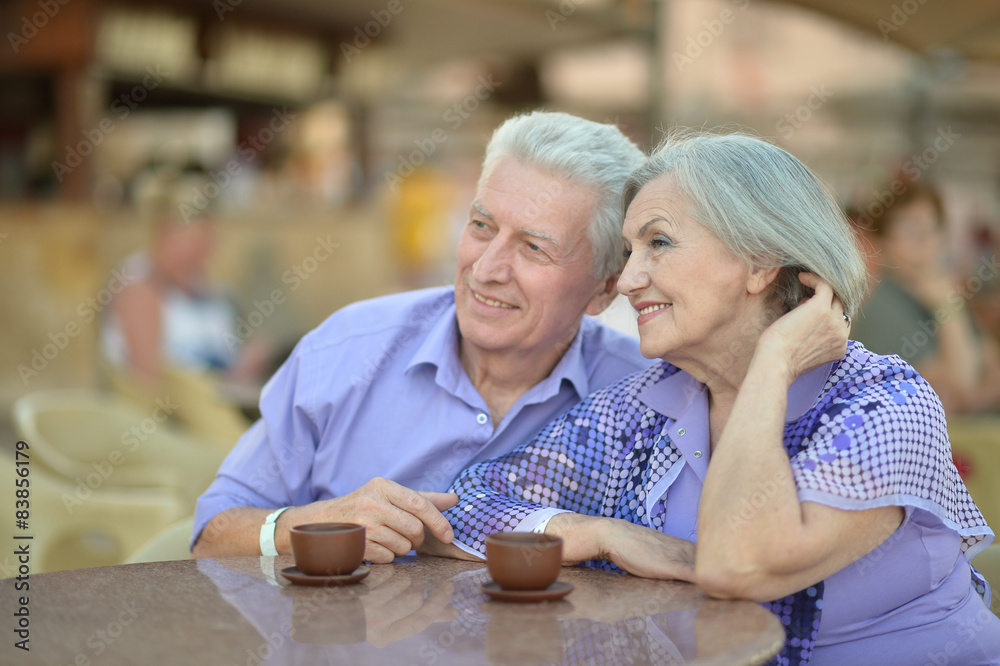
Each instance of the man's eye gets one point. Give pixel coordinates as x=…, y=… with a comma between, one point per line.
x=534, y=248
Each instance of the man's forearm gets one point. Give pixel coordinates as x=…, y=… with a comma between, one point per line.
x=236, y=532
x=394, y=516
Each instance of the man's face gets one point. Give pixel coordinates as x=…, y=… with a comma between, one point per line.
x=523, y=277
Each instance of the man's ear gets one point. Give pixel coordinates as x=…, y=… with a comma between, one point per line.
x=758, y=279
x=605, y=294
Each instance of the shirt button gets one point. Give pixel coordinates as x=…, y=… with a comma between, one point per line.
x=481, y=419
x=681, y=432
x=697, y=454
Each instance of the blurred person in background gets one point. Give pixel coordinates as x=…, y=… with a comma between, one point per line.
x=985, y=301
x=380, y=407
x=169, y=313
x=920, y=307
x=867, y=242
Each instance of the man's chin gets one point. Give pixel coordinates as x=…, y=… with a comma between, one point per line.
x=485, y=337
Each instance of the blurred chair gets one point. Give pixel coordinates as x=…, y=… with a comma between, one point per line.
x=74, y=526
x=170, y=544
x=98, y=439
x=199, y=406
x=202, y=407
x=987, y=562
x=975, y=446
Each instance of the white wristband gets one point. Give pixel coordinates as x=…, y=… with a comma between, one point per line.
x=267, y=533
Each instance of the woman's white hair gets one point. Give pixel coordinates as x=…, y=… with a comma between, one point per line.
x=767, y=207
x=583, y=152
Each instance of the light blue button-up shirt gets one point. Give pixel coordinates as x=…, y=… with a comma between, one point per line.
x=378, y=390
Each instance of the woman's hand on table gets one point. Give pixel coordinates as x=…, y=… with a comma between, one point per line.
x=639, y=550
x=647, y=553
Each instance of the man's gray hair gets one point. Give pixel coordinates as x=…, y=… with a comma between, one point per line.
x=582, y=152
x=767, y=207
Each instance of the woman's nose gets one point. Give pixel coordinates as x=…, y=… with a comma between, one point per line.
x=633, y=277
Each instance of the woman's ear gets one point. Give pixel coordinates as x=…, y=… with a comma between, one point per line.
x=759, y=279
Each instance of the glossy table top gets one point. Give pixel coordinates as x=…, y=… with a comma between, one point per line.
x=418, y=610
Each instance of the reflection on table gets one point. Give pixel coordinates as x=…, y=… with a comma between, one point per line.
x=415, y=611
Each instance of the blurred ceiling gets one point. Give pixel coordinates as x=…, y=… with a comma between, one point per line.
x=432, y=30
x=970, y=28
x=435, y=30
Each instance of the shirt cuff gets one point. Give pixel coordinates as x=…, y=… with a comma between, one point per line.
x=536, y=522
x=533, y=522
x=468, y=549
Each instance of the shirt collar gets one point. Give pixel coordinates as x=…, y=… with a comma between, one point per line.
x=440, y=346
x=570, y=367
x=673, y=395
x=440, y=350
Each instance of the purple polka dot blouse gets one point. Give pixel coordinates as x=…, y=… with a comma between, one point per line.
x=864, y=432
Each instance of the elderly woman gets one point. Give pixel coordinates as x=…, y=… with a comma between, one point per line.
x=814, y=475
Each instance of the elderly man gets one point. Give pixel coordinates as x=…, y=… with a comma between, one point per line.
x=381, y=406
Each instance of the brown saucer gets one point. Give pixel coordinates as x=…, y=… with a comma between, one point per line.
x=556, y=590
x=294, y=575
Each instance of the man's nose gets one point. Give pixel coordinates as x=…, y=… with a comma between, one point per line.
x=494, y=264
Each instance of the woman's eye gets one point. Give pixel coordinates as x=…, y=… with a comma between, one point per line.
x=626, y=252
x=659, y=242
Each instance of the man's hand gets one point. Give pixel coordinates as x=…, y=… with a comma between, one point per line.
x=394, y=517
x=436, y=548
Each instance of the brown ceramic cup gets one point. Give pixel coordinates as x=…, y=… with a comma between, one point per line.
x=328, y=549
x=523, y=560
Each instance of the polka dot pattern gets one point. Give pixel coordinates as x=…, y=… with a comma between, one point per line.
x=876, y=432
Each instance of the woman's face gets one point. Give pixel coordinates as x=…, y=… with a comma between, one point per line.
x=183, y=251
x=695, y=299
x=913, y=240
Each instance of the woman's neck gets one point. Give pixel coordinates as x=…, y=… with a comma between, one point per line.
x=723, y=367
